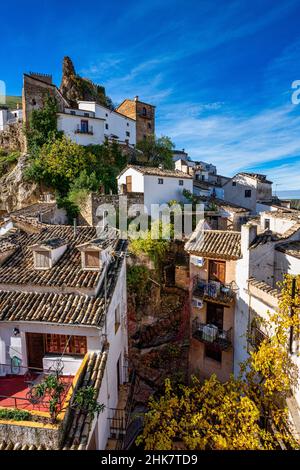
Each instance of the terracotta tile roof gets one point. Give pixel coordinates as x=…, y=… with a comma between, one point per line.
x=7, y=245
x=35, y=210
x=51, y=308
x=215, y=244
x=154, y=171
x=290, y=248
x=257, y=176
x=80, y=422
x=19, y=268
x=8, y=445
x=51, y=243
x=263, y=286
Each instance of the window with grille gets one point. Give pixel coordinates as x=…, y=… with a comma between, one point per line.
x=59, y=344
x=42, y=259
x=92, y=259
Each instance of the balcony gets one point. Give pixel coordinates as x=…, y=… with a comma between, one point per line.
x=212, y=335
x=213, y=291
x=17, y=388
x=84, y=130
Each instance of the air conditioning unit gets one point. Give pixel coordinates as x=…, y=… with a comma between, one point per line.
x=197, y=261
x=197, y=303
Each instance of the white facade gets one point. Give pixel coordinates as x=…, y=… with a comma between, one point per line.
x=9, y=117
x=84, y=130
x=116, y=125
x=157, y=189
x=247, y=191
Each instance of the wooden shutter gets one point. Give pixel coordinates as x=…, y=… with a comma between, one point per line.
x=92, y=259
x=42, y=259
x=129, y=184
x=217, y=271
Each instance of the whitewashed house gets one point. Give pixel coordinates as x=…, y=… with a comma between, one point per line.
x=116, y=125
x=159, y=186
x=63, y=310
x=8, y=117
x=82, y=127
x=249, y=190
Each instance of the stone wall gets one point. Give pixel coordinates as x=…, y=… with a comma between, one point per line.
x=29, y=433
x=143, y=113
x=13, y=138
x=88, y=208
x=35, y=91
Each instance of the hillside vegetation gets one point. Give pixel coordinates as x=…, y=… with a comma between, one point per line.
x=12, y=101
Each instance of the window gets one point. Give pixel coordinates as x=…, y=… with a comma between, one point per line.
x=106, y=114
x=92, y=259
x=180, y=182
x=106, y=126
x=117, y=318
x=233, y=183
x=217, y=271
x=127, y=124
x=267, y=224
x=33, y=102
x=160, y=181
x=59, y=344
x=127, y=134
x=73, y=113
x=144, y=111
x=86, y=114
x=144, y=137
x=84, y=126
x=149, y=125
x=203, y=177
x=42, y=259
x=213, y=353
x=129, y=183
x=247, y=192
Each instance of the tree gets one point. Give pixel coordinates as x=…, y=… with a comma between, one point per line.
x=42, y=126
x=157, y=151
x=245, y=413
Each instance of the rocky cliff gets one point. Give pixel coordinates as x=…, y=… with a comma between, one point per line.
x=74, y=88
x=15, y=192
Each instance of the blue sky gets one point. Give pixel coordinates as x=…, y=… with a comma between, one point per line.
x=219, y=72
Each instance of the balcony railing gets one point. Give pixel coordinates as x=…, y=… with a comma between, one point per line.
x=84, y=130
x=211, y=334
x=213, y=291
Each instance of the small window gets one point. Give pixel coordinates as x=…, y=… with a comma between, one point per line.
x=92, y=259
x=180, y=182
x=84, y=126
x=33, y=102
x=73, y=113
x=144, y=137
x=42, y=260
x=149, y=125
x=127, y=134
x=144, y=111
x=233, y=183
x=267, y=224
x=160, y=181
x=86, y=114
x=213, y=353
x=117, y=318
x=106, y=114
x=106, y=126
x=247, y=192
x=203, y=177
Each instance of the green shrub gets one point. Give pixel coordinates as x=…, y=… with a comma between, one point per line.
x=16, y=415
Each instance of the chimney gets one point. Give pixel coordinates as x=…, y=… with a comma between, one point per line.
x=248, y=234
x=136, y=98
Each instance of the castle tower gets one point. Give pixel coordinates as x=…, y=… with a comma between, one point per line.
x=142, y=113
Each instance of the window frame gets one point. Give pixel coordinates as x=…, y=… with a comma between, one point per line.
x=160, y=181
x=62, y=341
x=87, y=253
x=181, y=182
x=46, y=255
x=248, y=193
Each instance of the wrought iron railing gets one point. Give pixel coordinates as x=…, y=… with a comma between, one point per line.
x=84, y=130
x=211, y=334
x=27, y=378
x=214, y=290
